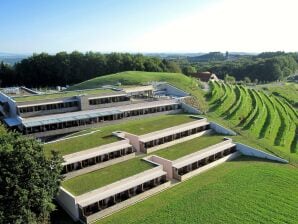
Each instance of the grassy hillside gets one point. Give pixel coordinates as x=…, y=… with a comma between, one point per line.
x=241, y=191
x=257, y=115
x=286, y=91
x=135, y=78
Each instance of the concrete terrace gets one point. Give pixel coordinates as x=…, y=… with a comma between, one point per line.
x=104, y=135
x=94, y=180
x=54, y=118
x=188, y=147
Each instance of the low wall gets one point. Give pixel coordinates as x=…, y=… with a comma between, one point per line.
x=189, y=109
x=172, y=90
x=166, y=164
x=220, y=129
x=250, y=151
x=12, y=106
x=68, y=202
x=133, y=140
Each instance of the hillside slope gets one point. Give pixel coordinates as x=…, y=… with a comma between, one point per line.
x=256, y=115
x=136, y=78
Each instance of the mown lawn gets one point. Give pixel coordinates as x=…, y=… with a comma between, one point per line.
x=242, y=191
x=61, y=95
x=188, y=147
x=103, y=136
x=99, y=178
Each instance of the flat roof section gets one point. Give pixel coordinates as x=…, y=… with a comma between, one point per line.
x=170, y=131
x=188, y=147
x=63, y=94
x=102, y=193
x=66, y=118
x=12, y=122
x=103, y=135
x=102, y=177
x=131, y=89
x=211, y=150
x=93, y=152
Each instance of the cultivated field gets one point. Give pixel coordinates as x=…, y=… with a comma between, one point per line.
x=263, y=116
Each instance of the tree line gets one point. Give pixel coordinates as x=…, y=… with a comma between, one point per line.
x=70, y=68
x=268, y=66
x=63, y=68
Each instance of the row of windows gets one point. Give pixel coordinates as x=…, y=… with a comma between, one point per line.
x=205, y=161
x=96, y=160
x=108, y=100
x=175, y=136
x=120, y=197
x=89, y=121
x=48, y=107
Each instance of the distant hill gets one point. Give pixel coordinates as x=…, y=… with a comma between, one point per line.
x=11, y=58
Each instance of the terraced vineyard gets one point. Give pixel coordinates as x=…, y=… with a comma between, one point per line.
x=264, y=116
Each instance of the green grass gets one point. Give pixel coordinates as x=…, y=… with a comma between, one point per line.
x=265, y=117
x=62, y=94
x=133, y=78
x=91, y=181
x=188, y=147
x=241, y=191
x=138, y=126
x=287, y=91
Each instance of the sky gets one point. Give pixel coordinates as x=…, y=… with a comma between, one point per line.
x=172, y=26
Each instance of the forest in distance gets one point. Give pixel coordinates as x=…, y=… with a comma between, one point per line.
x=42, y=70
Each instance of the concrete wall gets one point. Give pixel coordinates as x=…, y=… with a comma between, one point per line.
x=83, y=102
x=189, y=109
x=220, y=129
x=68, y=202
x=172, y=90
x=134, y=141
x=166, y=164
x=250, y=151
x=11, y=103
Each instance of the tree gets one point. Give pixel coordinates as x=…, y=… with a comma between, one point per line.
x=230, y=79
x=188, y=70
x=246, y=80
x=28, y=179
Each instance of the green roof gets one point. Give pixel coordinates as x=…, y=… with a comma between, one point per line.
x=102, y=177
x=103, y=136
x=62, y=94
x=188, y=147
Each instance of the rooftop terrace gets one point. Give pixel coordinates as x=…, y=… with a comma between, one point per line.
x=103, y=136
x=62, y=94
x=99, y=178
x=177, y=151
